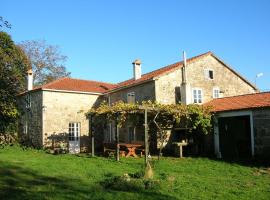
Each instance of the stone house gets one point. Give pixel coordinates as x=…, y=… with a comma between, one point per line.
x=59, y=107
x=55, y=112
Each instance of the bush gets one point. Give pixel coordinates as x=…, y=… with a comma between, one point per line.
x=127, y=182
x=8, y=139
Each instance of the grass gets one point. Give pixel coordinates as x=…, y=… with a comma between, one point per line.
x=34, y=174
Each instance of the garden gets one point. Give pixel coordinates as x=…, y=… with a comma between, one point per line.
x=35, y=174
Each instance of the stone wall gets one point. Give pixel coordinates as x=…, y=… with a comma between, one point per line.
x=30, y=123
x=143, y=92
x=166, y=87
x=61, y=108
x=224, y=78
x=261, y=123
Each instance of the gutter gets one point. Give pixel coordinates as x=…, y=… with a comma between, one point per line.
x=64, y=91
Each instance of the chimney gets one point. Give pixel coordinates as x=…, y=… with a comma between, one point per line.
x=137, y=70
x=184, y=76
x=29, y=79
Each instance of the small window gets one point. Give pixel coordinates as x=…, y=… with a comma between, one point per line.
x=74, y=131
x=216, y=93
x=197, y=96
x=25, y=127
x=177, y=95
x=209, y=74
x=28, y=101
x=131, y=134
x=131, y=97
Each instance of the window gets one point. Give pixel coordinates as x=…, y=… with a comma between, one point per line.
x=209, y=74
x=177, y=95
x=131, y=97
x=131, y=134
x=28, y=101
x=216, y=92
x=197, y=96
x=74, y=131
x=25, y=127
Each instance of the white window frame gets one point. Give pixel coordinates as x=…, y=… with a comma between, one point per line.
x=129, y=96
x=131, y=135
x=74, y=131
x=214, y=92
x=197, y=95
x=207, y=74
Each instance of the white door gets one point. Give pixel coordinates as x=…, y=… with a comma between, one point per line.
x=74, y=137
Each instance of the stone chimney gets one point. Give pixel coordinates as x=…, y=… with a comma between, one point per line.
x=29, y=79
x=137, y=69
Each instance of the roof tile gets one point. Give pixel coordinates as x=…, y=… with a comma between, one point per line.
x=71, y=84
x=242, y=102
x=158, y=72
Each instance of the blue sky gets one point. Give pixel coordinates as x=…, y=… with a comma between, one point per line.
x=102, y=38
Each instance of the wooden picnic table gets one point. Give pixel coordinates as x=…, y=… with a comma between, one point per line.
x=131, y=148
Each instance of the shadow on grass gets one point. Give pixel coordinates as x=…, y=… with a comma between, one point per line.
x=245, y=162
x=17, y=182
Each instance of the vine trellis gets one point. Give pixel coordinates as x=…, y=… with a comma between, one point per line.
x=193, y=117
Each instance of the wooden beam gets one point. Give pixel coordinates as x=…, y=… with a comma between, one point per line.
x=91, y=133
x=146, y=146
x=117, y=140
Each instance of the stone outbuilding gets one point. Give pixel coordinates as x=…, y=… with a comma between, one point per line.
x=242, y=126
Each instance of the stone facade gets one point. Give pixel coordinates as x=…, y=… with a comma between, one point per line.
x=143, y=92
x=46, y=121
x=261, y=124
x=228, y=82
x=62, y=108
x=30, y=126
x=167, y=87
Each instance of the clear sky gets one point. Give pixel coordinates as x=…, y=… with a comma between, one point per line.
x=102, y=38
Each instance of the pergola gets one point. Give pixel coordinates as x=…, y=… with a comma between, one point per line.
x=141, y=109
x=175, y=112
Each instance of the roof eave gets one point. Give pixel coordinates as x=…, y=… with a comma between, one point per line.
x=64, y=91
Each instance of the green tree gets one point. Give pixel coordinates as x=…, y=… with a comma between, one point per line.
x=46, y=60
x=4, y=23
x=13, y=67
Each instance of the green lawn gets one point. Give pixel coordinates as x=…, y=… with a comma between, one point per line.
x=33, y=174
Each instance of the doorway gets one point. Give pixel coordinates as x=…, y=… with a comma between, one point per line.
x=74, y=137
x=235, y=137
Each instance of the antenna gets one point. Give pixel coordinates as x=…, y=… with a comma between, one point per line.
x=258, y=76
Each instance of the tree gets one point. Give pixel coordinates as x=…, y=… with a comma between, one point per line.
x=46, y=60
x=13, y=67
x=4, y=23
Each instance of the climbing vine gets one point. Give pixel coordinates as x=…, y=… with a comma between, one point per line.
x=165, y=116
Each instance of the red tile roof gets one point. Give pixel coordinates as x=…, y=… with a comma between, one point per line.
x=242, y=102
x=158, y=72
x=71, y=84
x=101, y=87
